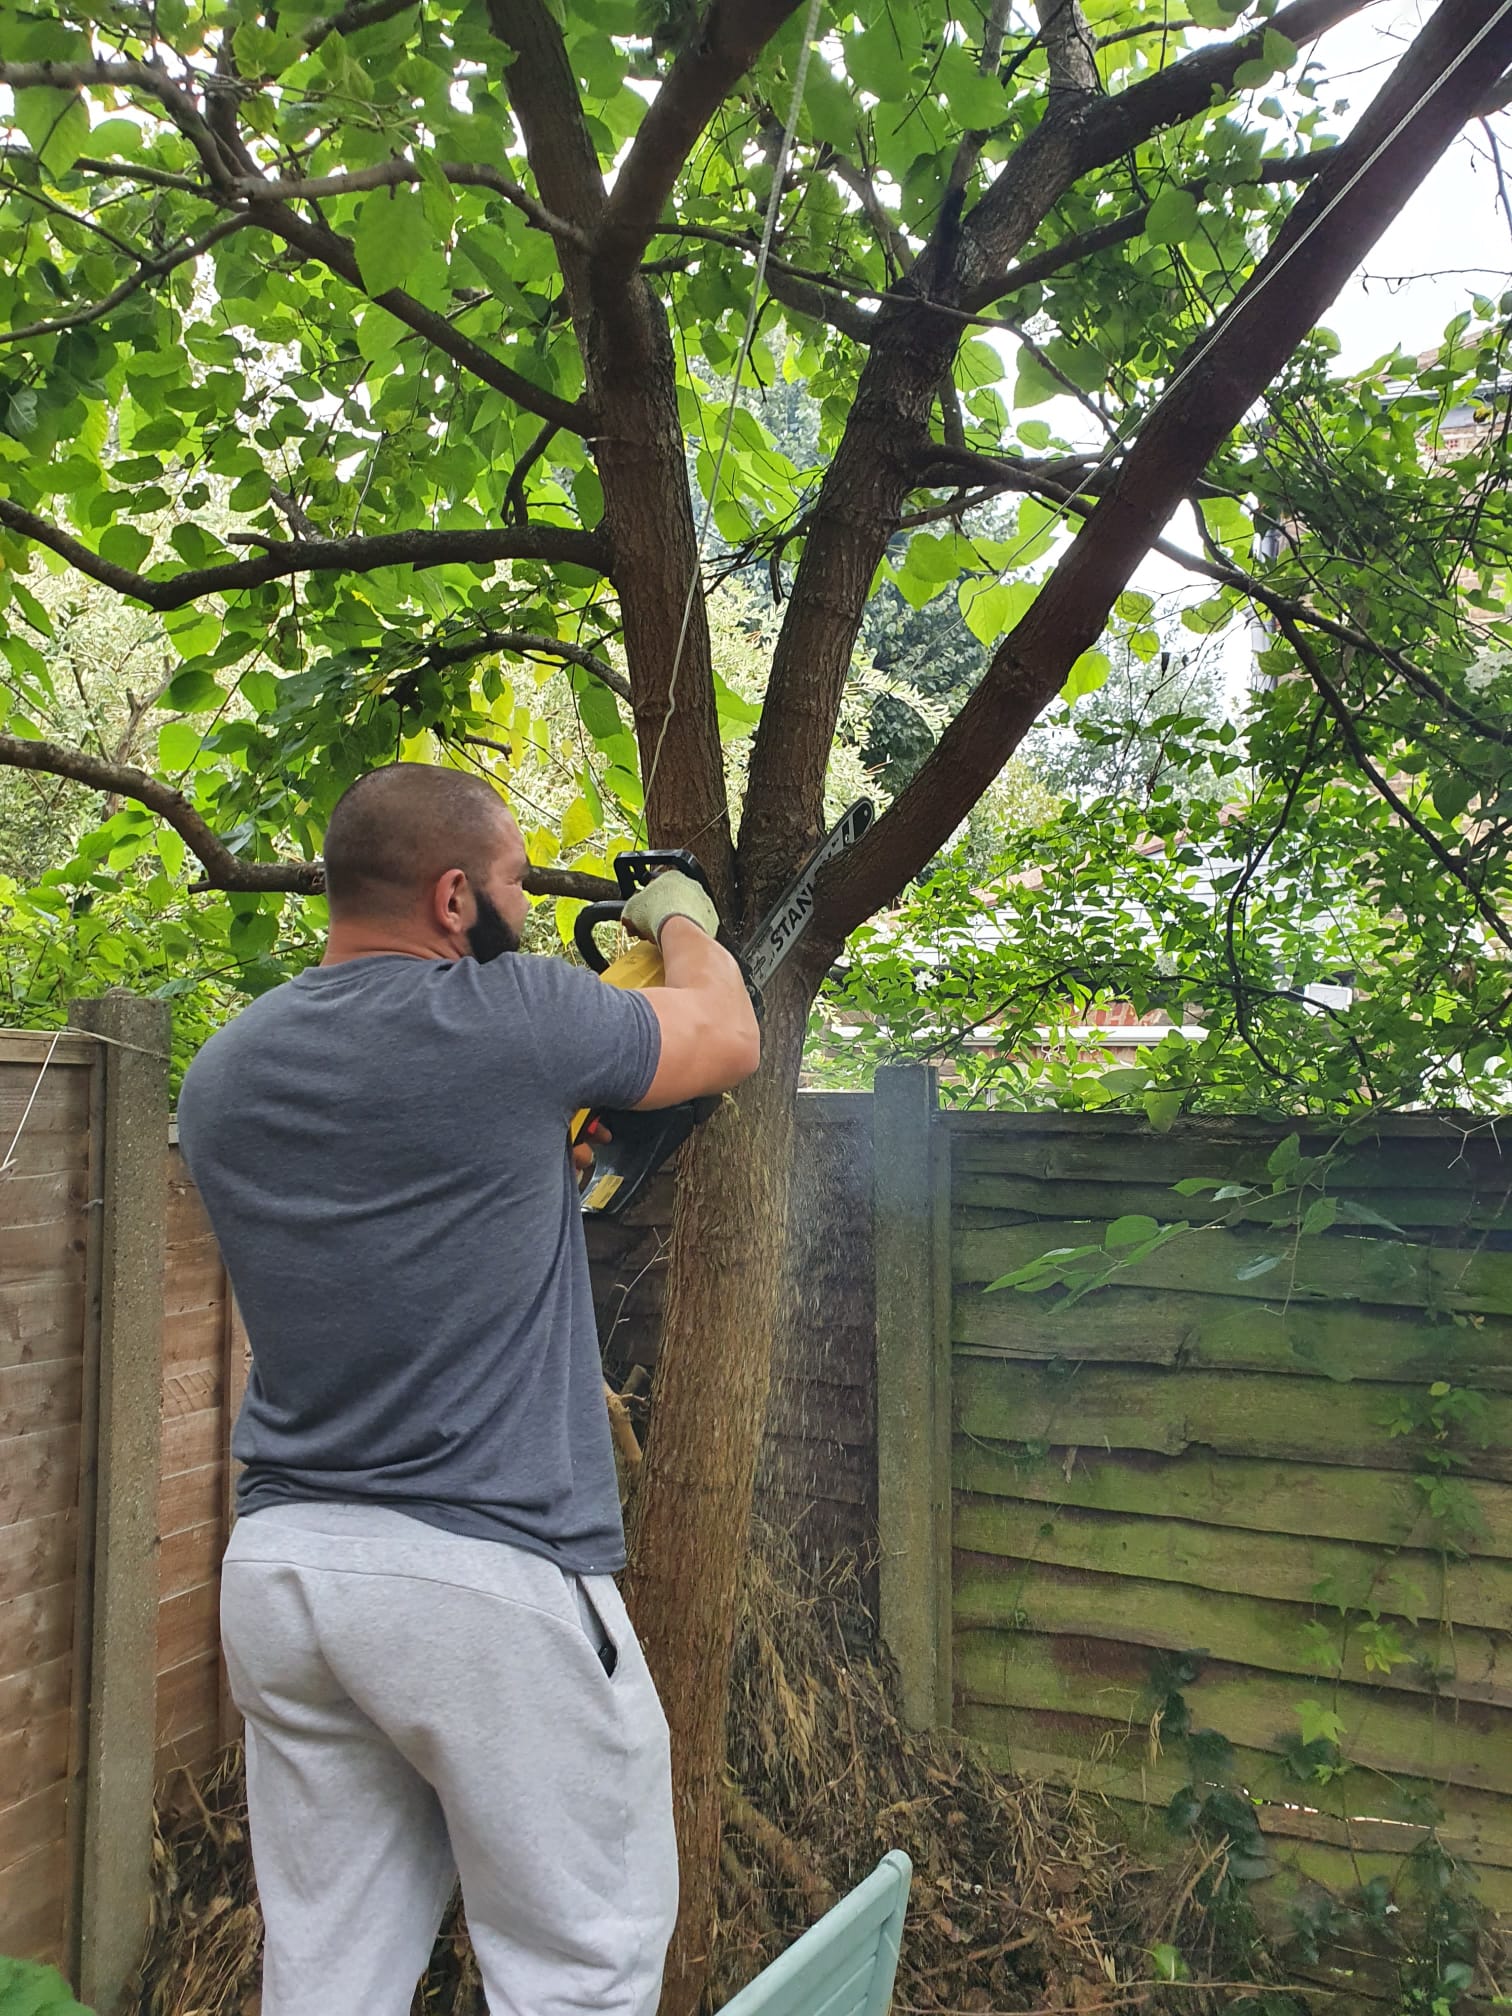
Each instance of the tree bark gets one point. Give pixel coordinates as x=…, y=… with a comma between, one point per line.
x=693, y=1501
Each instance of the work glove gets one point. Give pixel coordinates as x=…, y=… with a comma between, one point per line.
x=669, y=895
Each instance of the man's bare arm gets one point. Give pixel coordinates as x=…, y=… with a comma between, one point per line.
x=710, y=1039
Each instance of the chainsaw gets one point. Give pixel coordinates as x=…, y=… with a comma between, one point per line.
x=637, y=1144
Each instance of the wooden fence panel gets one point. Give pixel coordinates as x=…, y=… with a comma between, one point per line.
x=1220, y=1480
x=193, y=1494
x=44, y=1238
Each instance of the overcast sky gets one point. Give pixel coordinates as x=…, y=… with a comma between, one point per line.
x=1453, y=223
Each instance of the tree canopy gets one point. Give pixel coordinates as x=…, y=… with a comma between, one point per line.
x=310, y=360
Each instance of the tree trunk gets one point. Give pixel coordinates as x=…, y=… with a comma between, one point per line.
x=693, y=1501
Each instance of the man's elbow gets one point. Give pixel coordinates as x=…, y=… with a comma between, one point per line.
x=747, y=1060
x=740, y=1046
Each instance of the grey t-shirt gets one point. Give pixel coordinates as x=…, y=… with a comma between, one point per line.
x=382, y=1149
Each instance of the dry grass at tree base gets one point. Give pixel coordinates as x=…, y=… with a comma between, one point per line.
x=1023, y=1898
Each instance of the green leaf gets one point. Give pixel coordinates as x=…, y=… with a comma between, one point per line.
x=116, y=139
x=1173, y=217
x=578, y=822
x=1167, y=1963
x=1034, y=384
x=1088, y=673
x=1253, y=1269
x=993, y=608
x=1352, y=1212
x=1277, y=51
x=1162, y=1110
x=737, y=717
x=1452, y=794
x=1320, y=1215
x=125, y=546
x=392, y=236
x=179, y=746
x=193, y=692
x=1130, y=1230
x=1285, y=1156
x=29, y=1988
x=1319, y=1724
x=57, y=125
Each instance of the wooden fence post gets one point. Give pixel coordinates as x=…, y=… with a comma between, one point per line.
x=911, y=1206
x=116, y=1658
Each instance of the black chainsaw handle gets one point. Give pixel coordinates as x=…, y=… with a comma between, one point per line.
x=633, y=871
x=589, y=919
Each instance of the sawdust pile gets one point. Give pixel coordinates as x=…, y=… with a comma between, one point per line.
x=1023, y=1897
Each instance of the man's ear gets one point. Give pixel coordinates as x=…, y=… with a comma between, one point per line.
x=448, y=902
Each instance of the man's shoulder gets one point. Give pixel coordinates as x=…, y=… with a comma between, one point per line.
x=541, y=977
x=248, y=1027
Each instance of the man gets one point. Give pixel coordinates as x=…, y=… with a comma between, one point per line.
x=420, y=1621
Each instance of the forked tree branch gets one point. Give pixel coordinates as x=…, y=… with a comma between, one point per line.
x=1349, y=729
x=390, y=174
x=349, y=20
x=532, y=644
x=565, y=545
x=148, y=79
x=336, y=253
x=223, y=869
x=1409, y=124
x=1088, y=132
x=728, y=39
x=149, y=269
x=1119, y=230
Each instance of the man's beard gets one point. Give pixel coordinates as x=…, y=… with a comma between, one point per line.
x=490, y=936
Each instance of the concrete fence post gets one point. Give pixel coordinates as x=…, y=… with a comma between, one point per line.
x=911, y=1225
x=116, y=1656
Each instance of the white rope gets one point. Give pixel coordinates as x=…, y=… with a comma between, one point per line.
x=10, y=1153
x=90, y=1035
x=742, y=357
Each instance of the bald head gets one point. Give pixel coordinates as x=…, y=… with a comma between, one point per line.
x=399, y=832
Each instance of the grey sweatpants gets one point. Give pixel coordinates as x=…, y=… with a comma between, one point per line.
x=420, y=1706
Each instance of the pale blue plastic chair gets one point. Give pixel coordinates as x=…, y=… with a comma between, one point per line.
x=847, y=1963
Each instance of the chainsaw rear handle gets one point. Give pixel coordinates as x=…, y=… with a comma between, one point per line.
x=589, y=919
x=632, y=872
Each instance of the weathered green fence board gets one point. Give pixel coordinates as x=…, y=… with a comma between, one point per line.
x=1212, y=1261
x=1415, y=1209
x=1302, y=1867
x=1123, y=1764
x=1191, y=1459
x=1152, y=1326
x=992, y=1591
x=1461, y=1743
x=1275, y=1565
x=1238, y=1414
x=1382, y=1509
x=1111, y=1148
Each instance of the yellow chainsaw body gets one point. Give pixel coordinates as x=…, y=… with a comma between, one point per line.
x=638, y=968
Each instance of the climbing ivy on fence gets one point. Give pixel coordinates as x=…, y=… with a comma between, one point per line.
x=1360, y=1631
